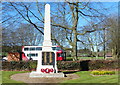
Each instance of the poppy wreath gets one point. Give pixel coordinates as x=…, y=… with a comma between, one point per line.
x=42, y=70
x=47, y=70
x=51, y=70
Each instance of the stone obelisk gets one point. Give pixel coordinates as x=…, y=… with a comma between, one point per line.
x=47, y=44
x=47, y=62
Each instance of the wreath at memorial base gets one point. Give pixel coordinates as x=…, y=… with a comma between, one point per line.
x=47, y=70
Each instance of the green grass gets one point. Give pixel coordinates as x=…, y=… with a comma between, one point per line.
x=86, y=58
x=85, y=77
x=6, y=77
x=0, y=77
x=91, y=58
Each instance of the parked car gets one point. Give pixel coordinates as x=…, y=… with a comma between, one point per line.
x=3, y=59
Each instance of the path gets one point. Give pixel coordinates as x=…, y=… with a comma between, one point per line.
x=24, y=77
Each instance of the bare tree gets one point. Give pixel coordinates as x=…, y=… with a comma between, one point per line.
x=28, y=35
x=24, y=35
x=66, y=18
x=113, y=36
x=71, y=29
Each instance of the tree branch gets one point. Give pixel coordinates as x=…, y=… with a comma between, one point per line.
x=86, y=32
x=58, y=25
x=86, y=14
x=18, y=11
x=39, y=10
x=70, y=42
x=33, y=13
x=27, y=19
x=80, y=41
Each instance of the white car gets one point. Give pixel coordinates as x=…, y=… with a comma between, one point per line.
x=5, y=58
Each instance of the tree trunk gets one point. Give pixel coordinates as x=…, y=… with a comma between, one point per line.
x=75, y=23
x=115, y=53
x=75, y=46
x=97, y=53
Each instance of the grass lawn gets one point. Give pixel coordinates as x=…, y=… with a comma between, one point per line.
x=86, y=58
x=91, y=58
x=6, y=77
x=0, y=77
x=85, y=77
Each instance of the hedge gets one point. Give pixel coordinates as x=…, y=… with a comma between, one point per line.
x=83, y=65
x=21, y=65
x=103, y=64
x=68, y=65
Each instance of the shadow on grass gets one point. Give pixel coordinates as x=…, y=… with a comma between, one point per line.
x=70, y=72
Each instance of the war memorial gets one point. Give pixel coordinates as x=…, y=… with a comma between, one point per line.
x=47, y=64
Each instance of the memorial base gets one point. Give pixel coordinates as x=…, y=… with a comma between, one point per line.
x=35, y=74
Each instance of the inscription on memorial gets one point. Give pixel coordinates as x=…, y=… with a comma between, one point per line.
x=48, y=58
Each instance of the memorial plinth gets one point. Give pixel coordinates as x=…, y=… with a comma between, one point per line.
x=35, y=74
x=47, y=64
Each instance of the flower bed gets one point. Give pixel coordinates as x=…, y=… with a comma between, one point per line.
x=103, y=72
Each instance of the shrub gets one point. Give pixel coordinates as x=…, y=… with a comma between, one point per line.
x=103, y=64
x=103, y=72
x=32, y=65
x=86, y=65
x=21, y=65
x=68, y=65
